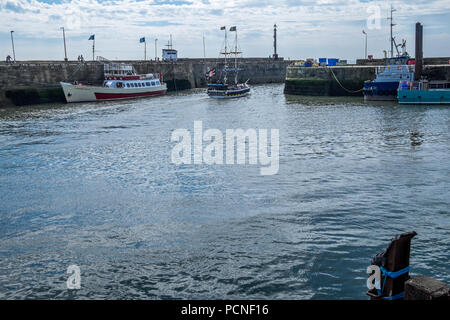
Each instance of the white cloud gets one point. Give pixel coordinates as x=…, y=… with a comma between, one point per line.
x=306, y=28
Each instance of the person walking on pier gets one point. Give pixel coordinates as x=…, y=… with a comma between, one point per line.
x=8, y=59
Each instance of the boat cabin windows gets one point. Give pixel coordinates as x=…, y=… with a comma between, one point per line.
x=126, y=84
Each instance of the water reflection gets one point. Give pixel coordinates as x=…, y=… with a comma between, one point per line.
x=92, y=184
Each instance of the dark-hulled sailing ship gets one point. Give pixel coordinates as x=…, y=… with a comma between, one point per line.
x=222, y=89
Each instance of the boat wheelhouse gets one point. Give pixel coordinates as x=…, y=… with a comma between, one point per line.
x=121, y=82
x=388, y=77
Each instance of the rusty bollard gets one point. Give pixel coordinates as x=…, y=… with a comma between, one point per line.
x=391, y=269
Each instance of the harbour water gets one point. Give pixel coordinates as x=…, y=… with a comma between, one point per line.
x=93, y=185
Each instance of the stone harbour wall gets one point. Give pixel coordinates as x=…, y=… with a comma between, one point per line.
x=319, y=81
x=34, y=82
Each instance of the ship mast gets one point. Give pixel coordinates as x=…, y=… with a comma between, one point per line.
x=225, y=53
x=392, y=25
x=235, y=52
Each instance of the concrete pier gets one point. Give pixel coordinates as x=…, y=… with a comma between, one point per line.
x=424, y=288
x=319, y=81
x=34, y=82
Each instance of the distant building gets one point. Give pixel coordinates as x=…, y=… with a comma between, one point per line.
x=169, y=54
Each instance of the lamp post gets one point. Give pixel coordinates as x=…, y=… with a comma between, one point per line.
x=365, y=52
x=204, y=50
x=12, y=42
x=64, y=39
x=156, y=50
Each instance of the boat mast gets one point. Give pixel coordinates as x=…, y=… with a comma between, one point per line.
x=225, y=53
x=392, y=37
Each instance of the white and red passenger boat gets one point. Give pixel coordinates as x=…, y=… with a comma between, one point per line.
x=121, y=82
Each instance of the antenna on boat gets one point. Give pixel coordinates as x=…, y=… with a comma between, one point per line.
x=169, y=44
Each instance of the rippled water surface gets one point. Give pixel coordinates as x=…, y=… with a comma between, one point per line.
x=93, y=185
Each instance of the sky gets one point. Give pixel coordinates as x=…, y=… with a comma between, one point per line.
x=306, y=28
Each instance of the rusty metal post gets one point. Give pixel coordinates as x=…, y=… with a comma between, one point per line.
x=419, y=52
x=395, y=259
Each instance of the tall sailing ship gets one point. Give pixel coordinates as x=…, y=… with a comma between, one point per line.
x=222, y=89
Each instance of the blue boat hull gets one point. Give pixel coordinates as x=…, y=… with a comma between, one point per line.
x=380, y=91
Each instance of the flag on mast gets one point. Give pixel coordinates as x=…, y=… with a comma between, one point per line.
x=222, y=28
x=211, y=73
x=92, y=37
x=233, y=28
x=141, y=40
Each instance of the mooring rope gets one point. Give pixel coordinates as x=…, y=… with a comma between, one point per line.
x=337, y=80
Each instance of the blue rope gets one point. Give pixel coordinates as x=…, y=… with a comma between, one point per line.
x=397, y=296
x=392, y=275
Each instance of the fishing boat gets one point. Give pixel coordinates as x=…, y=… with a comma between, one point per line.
x=424, y=92
x=222, y=89
x=121, y=82
x=388, y=77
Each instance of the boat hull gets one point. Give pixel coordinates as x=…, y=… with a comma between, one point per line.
x=77, y=93
x=431, y=96
x=228, y=94
x=380, y=91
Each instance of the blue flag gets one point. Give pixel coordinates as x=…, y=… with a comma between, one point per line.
x=141, y=40
x=92, y=37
